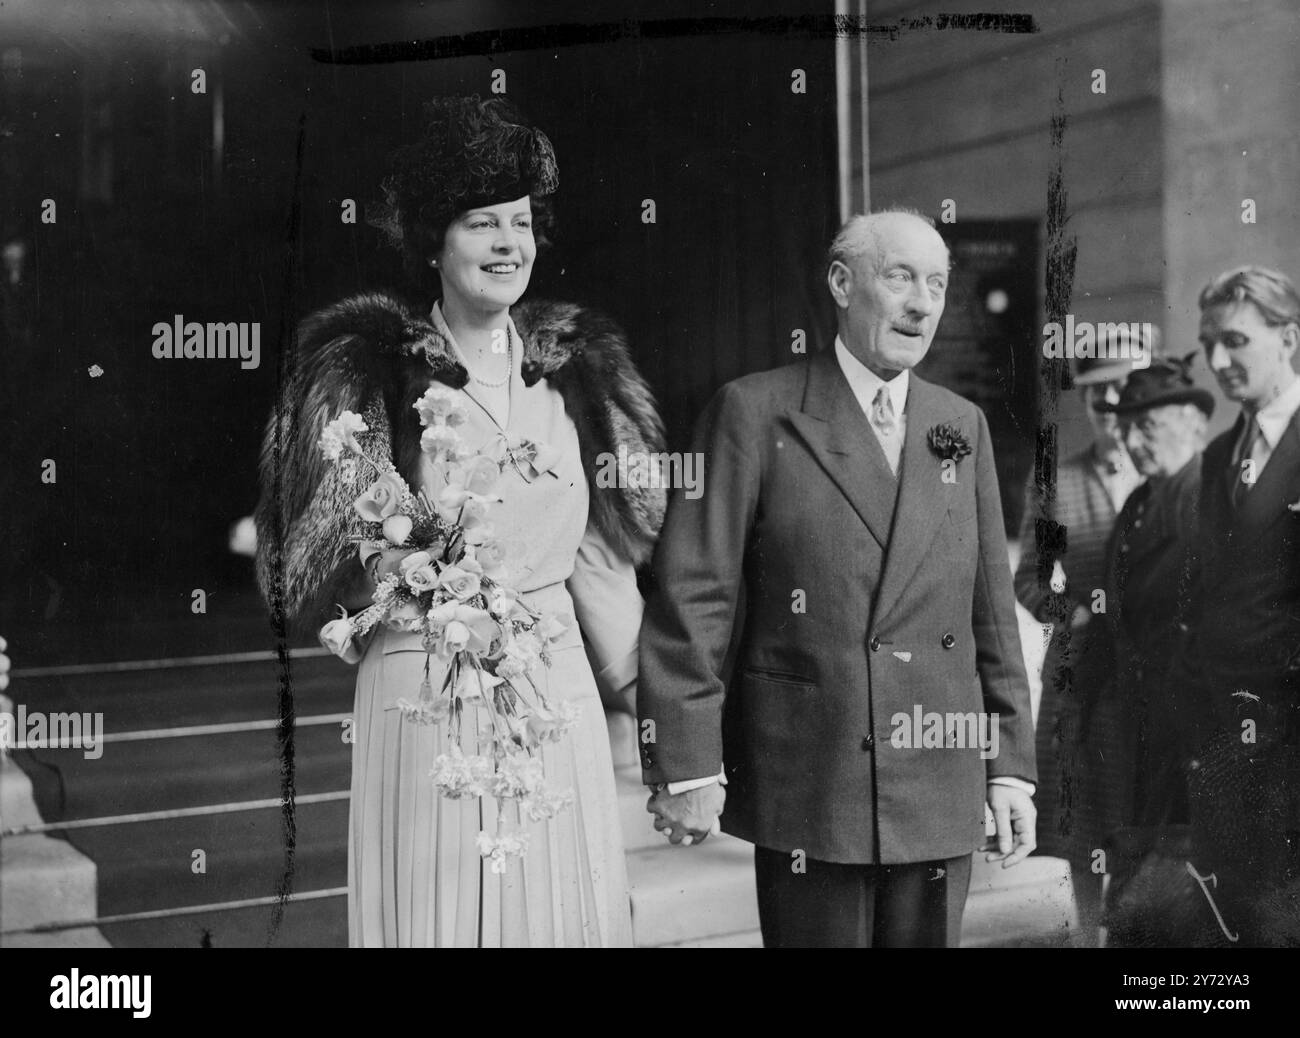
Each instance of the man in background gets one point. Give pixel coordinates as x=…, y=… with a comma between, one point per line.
x=1243, y=655
x=1066, y=527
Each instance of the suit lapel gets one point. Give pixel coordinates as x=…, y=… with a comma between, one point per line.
x=831, y=422
x=921, y=506
x=1276, y=486
x=1217, y=513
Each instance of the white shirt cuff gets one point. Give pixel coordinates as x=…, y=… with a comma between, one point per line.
x=1015, y=783
x=686, y=785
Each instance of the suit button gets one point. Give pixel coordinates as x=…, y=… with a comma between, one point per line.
x=869, y=742
x=949, y=641
x=875, y=644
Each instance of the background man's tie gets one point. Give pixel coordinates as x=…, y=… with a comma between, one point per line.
x=1245, y=448
x=885, y=422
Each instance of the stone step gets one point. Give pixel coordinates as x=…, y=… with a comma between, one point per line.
x=637, y=823
x=748, y=939
x=687, y=897
x=16, y=804
x=622, y=739
x=1035, y=871
x=691, y=894
x=43, y=880
x=1030, y=904
x=77, y=938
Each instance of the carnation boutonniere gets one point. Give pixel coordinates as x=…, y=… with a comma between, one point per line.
x=947, y=442
x=1294, y=507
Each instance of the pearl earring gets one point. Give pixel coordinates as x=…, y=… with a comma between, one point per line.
x=433, y=262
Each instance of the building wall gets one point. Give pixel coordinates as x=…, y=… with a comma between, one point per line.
x=172, y=203
x=966, y=115
x=1232, y=132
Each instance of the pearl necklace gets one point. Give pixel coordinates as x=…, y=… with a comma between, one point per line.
x=510, y=367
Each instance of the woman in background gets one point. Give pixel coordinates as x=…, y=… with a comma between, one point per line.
x=1132, y=752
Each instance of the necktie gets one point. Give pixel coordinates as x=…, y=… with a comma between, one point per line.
x=1243, y=480
x=885, y=423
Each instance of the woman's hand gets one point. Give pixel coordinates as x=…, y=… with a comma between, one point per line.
x=361, y=592
x=388, y=562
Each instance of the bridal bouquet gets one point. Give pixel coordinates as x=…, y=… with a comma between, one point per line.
x=453, y=590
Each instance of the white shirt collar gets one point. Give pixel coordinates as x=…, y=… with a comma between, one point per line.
x=865, y=383
x=1276, y=415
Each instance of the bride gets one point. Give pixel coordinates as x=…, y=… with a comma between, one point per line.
x=467, y=204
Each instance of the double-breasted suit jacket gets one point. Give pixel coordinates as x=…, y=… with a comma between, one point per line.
x=849, y=598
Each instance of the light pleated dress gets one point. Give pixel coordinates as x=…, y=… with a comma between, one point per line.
x=415, y=875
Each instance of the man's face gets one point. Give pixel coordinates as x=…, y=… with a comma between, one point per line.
x=1161, y=440
x=1250, y=358
x=892, y=295
x=1105, y=424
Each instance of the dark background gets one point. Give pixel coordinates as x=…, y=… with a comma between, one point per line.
x=225, y=206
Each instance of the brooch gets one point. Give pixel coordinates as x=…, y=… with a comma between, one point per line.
x=531, y=458
x=947, y=442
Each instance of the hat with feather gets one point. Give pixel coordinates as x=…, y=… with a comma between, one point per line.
x=471, y=153
x=1167, y=381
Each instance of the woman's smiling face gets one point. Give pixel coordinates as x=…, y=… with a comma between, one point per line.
x=487, y=256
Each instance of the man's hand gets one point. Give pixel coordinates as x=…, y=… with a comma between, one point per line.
x=689, y=817
x=1014, y=816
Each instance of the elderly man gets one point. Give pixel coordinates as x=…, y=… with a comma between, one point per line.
x=853, y=510
x=1243, y=658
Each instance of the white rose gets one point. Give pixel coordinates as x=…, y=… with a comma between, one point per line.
x=397, y=528
x=455, y=636
x=337, y=636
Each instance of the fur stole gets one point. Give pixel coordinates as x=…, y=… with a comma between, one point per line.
x=374, y=355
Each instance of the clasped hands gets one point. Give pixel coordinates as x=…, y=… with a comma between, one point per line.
x=690, y=817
